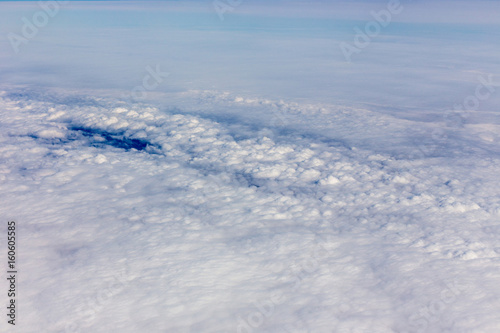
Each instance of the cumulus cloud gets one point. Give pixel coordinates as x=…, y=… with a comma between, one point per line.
x=208, y=231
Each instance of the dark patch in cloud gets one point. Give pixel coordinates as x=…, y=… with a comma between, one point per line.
x=100, y=138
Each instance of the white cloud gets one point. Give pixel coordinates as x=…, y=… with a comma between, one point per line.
x=201, y=228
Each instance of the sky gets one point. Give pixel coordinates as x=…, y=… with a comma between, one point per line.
x=101, y=44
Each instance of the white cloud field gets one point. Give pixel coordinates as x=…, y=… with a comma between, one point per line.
x=250, y=166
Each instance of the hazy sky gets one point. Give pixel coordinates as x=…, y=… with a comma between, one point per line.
x=429, y=55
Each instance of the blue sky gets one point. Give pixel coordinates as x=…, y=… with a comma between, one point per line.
x=291, y=48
